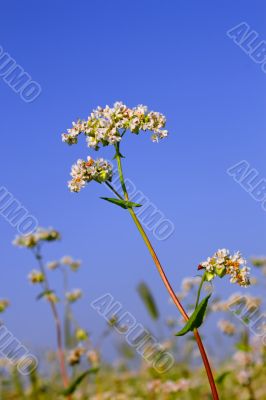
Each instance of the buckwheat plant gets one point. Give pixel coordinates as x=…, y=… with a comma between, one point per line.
x=34, y=242
x=107, y=127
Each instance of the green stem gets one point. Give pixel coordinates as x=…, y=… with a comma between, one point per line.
x=59, y=336
x=164, y=278
x=199, y=290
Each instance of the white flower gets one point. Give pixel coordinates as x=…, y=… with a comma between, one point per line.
x=33, y=239
x=222, y=263
x=74, y=295
x=105, y=126
x=85, y=171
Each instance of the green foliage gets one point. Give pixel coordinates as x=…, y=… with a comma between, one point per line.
x=121, y=203
x=149, y=301
x=73, y=386
x=196, y=319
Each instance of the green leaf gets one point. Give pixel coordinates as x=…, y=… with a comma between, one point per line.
x=148, y=300
x=220, y=378
x=122, y=203
x=73, y=386
x=196, y=318
x=42, y=294
x=243, y=347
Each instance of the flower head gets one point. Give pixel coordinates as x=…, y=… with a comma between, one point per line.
x=74, y=295
x=75, y=356
x=106, y=126
x=33, y=239
x=81, y=334
x=52, y=265
x=91, y=170
x=93, y=357
x=70, y=262
x=36, y=277
x=3, y=305
x=222, y=263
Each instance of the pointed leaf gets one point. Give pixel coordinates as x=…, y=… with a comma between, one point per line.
x=122, y=203
x=73, y=386
x=196, y=318
x=148, y=300
x=220, y=378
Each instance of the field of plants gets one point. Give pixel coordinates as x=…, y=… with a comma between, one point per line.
x=176, y=365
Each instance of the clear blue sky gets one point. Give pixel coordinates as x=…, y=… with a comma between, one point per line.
x=173, y=56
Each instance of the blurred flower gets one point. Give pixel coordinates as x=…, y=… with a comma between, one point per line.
x=53, y=265
x=105, y=126
x=243, y=377
x=249, y=301
x=51, y=297
x=259, y=261
x=74, y=295
x=154, y=386
x=75, y=356
x=189, y=283
x=172, y=387
x=227, y=327
x=242, y=358
x=222, y=263
x=81, y=334
x=73, y=264
x=3, y=305
x=33, y=239
x=86, y=171
x=36, y=277
x=93, y=357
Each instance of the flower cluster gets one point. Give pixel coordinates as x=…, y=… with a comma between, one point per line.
x=74, y=295
x=106, y=126
x=75, y=356
x=85, y=171
x=222, y=263
x=65, y=261
x=167, y=387
x=31, y=240
x=3, y=305
x=36, y=277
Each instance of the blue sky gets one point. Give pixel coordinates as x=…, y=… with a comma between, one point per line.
x=173, y=56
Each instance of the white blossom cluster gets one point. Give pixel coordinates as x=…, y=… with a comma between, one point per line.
x=106, y=126
x=222, y=263
x=74, y=265
x=33, y=239
x=157, y=386
x=85, y=171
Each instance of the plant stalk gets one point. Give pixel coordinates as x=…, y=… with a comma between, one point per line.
x=59, y=336
x=164, y=277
